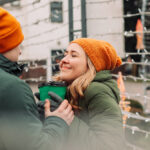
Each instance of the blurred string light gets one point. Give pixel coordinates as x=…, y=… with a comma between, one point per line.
x=138, y=53
x=30, y=3
x=135, y=116
x=125, y=33
x=45, y=32
x=41, y=20
x=37, y=80
x=137, y=129
x=129, y=33
x=135, y=95
x=125, y=77
x=136, y=14
x=32, y=10
x=36, y=22
x=45, y=42
x=137, y=63
x=102, y=1
x=121, y=16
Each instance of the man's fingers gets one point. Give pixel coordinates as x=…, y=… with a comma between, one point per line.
x=63, y=105
x=71, y=115
x=68, y=109
x=47, y=107
x=64, y=111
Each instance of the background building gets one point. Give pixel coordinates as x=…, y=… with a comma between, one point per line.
x=49, y=25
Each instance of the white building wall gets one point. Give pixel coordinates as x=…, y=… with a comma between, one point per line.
x=104, y=21
x=43, y=36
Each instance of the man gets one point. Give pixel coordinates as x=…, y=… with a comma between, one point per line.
x=20, y=126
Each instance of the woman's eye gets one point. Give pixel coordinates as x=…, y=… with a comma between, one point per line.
x=73, y=55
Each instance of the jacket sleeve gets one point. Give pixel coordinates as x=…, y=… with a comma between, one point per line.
x=21, y=120
x=103, y=130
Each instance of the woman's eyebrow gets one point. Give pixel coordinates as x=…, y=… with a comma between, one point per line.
x=72, y=51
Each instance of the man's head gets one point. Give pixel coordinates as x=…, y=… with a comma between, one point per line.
x=11, y=35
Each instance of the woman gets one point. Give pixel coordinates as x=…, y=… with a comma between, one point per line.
x=93, y=94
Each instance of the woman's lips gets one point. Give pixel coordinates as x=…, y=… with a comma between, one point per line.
x=65, y=67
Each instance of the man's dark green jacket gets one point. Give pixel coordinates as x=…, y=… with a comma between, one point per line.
x=99, y=124
x=20, y=126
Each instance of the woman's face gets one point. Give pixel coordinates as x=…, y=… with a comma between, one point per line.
x=74, y=64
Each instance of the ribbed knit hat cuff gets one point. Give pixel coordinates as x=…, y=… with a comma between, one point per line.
x=14, y=39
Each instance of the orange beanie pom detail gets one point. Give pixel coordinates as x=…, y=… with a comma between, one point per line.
x=101, y=53
x=10, y=31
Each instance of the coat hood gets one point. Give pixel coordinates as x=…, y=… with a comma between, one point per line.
x=106, y=78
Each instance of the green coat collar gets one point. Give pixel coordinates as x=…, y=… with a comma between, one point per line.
x=102, y=76
x=10, y=67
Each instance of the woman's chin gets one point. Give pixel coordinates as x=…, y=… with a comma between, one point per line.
x=65, y=78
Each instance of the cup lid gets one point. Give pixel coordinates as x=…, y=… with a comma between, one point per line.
x=52, y=83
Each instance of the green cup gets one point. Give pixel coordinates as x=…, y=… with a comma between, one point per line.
x=58, y=88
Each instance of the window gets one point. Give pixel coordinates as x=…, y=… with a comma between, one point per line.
x=56, y=56
x=56, y=12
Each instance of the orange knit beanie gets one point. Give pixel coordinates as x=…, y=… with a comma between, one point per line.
x=10, y=31
x=102, y=54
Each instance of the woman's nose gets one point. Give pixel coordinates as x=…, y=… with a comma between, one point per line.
x=65, y=59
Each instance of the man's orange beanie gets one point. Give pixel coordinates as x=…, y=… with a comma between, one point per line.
x=102, y=54
x=10, y=31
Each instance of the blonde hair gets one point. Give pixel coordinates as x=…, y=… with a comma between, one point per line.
x=77, y=87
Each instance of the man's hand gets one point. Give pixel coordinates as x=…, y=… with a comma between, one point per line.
x=55, y=102
x=64, y=111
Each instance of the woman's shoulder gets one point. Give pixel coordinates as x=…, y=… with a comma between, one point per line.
x=94, y=90
x=96, y=87
x=102, y=91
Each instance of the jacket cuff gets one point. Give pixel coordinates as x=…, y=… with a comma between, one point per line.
x=55, y=120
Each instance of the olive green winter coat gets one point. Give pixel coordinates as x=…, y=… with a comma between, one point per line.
x=99, y=124
x=20, y=126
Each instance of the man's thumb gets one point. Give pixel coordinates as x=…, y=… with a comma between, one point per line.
x=47, y=107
